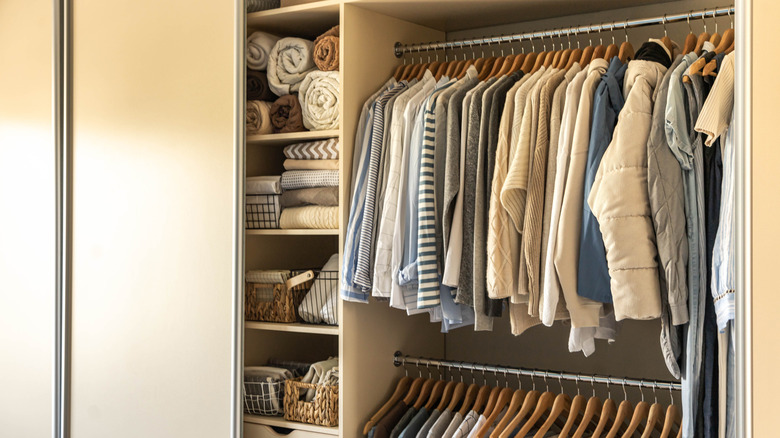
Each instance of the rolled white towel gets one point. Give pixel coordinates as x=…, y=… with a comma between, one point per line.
x=258, y=49
x=290, y=60
x=319, y=95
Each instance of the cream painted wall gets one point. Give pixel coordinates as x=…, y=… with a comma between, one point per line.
x=153, y=140
x=766, y=233
x=27, y=221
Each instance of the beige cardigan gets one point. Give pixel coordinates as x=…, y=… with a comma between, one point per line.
x=584, y=312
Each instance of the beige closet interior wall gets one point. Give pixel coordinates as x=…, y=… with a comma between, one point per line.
x=766, y=233
x=152, y=218
x=27, y=224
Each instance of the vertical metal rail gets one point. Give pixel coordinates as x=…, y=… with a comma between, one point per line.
x=239, y=150
x=63, y=154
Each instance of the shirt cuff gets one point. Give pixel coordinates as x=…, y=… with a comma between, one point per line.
x=679, y=313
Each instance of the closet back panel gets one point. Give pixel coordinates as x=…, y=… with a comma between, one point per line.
x=27, y=224
x=153, y=143
x=371, y=333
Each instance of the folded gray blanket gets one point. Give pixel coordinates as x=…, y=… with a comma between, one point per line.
x=325, y=196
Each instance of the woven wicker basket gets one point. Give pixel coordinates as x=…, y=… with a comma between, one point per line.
x=323, y=410
x=276, y=302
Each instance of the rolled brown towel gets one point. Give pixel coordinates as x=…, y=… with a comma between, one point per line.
x=286, y=114
x=257, y=86
x=258, y=117
x=326, y=50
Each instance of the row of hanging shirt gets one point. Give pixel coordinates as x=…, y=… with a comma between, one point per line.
x=580, y=193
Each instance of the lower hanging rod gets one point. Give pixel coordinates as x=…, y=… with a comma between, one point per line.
x=399, y=360
x=400, y=49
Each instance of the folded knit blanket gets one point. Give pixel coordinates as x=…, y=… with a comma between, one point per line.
x=263, y=185
x=319, y=94
x=258, y=49
x=290, y=164
x=258, y=117
x=286, y=115
x=290, y=60
x=301, y=179
x=268, y=276
x=326, y=50
x=314, y=150
x=257, y=86
x=325, y=196
x=311, y=217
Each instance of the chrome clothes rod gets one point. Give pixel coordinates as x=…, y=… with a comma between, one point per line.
x=400, y=49
x=399, y=360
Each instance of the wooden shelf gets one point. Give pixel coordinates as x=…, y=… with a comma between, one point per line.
x=281, y=422
x=290, y=137
x=306, y=20
x=302, y=232
x=293, y=327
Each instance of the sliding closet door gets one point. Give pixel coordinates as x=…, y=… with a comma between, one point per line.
x=27, y=221
x=152, y=218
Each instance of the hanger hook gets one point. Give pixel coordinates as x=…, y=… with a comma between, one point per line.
x=714, y=11
x=609, y=389
x=533, y=382
x=506, y=378
x=612, y=31
x=577, y=36
x=641, y=386
x=590, y=34
x=625, y=29
x=577, y=383
x=546, y=385
x=593, y=384
x=671, y=396
x=664, y=22
x=560, y=381
x=704, y=21
x=625, y=396
x=601, y=36
x=731, y=19
x=688, y=19
x=655, y=396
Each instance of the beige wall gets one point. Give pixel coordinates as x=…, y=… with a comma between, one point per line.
x=153, y=140
x=27, y=221
x=766, y=233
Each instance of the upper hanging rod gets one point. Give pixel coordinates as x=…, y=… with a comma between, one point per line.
x=400, y=49
x=399, y=359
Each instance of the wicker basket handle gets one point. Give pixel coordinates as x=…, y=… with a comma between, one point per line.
x=300, y=279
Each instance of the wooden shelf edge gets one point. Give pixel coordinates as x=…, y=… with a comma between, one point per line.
x=281, y=422
x=298, y=232
x=313, y=6
x=293, y=327
x=291, y=137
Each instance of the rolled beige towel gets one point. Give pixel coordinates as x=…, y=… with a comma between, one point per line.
x=319, y=95
x=258, y=117
x=290, y=60
x=326, y=50
x=258, y=49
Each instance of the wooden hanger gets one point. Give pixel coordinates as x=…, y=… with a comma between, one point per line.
x=503, y=399
x=575, y=56
x=587, y=56
x=639, y=416
x=726, y=41
x=592, y=410
x=446, y=396
x=498, y=66
x=492, y=400
x=543, y=405
x=599, y=52
x=564, y=59
x=424, y=395
x=655, y=419
x=612, y=51
x=452, y=68
x=401, y=388
x=694, y=70
x=703, y=38
x=441, y=70
x=421, y=72
x=469, y=399
x=514, y=405
x=436, y=394
x=454, y=397
x=517, y=64
x=482, y=398
x=529, y=62
x=487, y=68
x=624, y=412
x=548, y=60
x=539, y=61
x=577, y=406
x=529, y=402
x=673, y=418
x=690, y=44
x=560, y=407
x=608, y=413
x=506, y=68
x=626, y=52
x=414, y=390
x=398, y=71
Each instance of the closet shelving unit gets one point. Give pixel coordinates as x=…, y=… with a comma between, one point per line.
x=369, y=334
x=285, y=248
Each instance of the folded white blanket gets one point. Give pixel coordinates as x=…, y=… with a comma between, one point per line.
x=319, y=95
x=319, y=304
x=258, y=47
x=263, y=185
x=258, y=117
x=310, y=217
x=291, y=59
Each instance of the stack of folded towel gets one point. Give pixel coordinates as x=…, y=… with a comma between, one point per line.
x=310, y=185
x=262, y=200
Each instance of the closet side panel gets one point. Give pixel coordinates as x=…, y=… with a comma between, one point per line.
x=152, y=218
x=372, y=333
x=27, y=222
x=765, y=232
